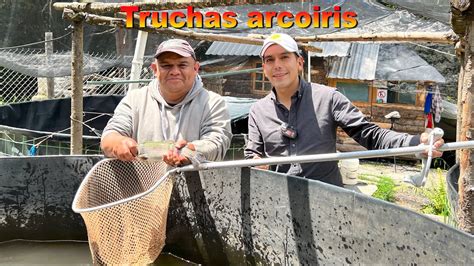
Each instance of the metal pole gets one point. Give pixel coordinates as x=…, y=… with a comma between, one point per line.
x=48, y=46
x=206, y=75
x=327, y=157
x=309, y=67
x=137, y=62
x=77, y=77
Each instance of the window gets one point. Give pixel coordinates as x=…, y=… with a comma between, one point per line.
x=260, y=83
x=404, y=93
x=358, y=92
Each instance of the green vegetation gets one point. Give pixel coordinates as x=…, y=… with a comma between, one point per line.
x=385, y=189
x=371, y=179
x=440, y=163
x=437, y=195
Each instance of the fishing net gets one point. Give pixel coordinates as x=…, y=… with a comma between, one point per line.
x=124, y=206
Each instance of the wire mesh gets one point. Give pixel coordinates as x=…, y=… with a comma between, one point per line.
x=124, y=206
x=22, y=80
x=24, y=74
x=17, y=144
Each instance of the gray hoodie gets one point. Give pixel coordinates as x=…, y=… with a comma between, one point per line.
x=201, y=118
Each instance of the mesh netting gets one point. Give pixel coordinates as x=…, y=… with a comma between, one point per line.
x=124, y=206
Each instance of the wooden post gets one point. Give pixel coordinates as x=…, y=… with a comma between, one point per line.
x=77, y=76
x=48, y=46
x=466, y=156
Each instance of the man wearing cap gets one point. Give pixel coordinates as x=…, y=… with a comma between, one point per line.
x=174, y=106
x=300, y=118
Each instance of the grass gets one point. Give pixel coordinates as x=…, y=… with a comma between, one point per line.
x=438, y=197
x=385, y=189
x=431, y=199
x=371, y=179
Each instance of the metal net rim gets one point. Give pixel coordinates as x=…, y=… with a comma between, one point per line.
x=84, y=182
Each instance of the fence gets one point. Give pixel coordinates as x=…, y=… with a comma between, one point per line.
x=27, y=74
x=24, y=74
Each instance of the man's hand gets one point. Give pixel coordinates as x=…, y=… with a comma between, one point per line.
x=174, y=158
x=120, y=147
x=263, y=167
x=425, y=139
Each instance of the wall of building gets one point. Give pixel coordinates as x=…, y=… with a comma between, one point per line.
x=412, y=119
x=239, y=85
x=318, y=70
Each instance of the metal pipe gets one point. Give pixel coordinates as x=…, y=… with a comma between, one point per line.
x=137, y=61
x=208, y=75
x=326, y=157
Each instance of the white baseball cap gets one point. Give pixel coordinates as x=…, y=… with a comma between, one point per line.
x=284, y=40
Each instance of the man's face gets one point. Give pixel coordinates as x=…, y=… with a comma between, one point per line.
x=281, y=67
x=175, y=73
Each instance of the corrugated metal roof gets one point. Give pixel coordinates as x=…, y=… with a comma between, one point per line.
x=226, y=48
x=332, y=48
x=360, y=64
x=364, y=61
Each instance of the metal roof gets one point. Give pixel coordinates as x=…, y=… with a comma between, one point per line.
x=227, y=48
x=238, y=49
x=359, y=61
x=360, y=64
x=332, y=49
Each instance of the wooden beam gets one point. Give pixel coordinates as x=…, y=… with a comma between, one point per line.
x=466, y=156
x=48, y=49
x=107, y=8
x=441, y=37
x=121, y=22
x=77, y=77
x=434, y=37
x=461, y=5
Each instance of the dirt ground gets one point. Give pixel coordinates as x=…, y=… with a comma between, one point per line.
x=406, y=195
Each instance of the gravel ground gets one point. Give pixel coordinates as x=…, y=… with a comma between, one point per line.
x=406, y=195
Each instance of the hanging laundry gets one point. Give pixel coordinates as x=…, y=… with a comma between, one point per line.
x=437, y=105
x=33, y=151
x=429, y=121
x=428, y=101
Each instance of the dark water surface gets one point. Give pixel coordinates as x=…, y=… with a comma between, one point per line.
x=62, y=253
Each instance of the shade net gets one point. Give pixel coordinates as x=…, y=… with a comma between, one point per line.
x=35, y=63
x=124, y=206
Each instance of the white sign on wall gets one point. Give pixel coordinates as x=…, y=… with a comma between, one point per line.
x=381, y=96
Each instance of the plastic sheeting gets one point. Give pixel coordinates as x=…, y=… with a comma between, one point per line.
x=238, y=216
x=36, y=197
x=35, y=63
x=450, y=110
x=371, y=16
x=44, y=117
x=241, y=216
x=435, y=9
x=399, y=63
x=239, y=107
